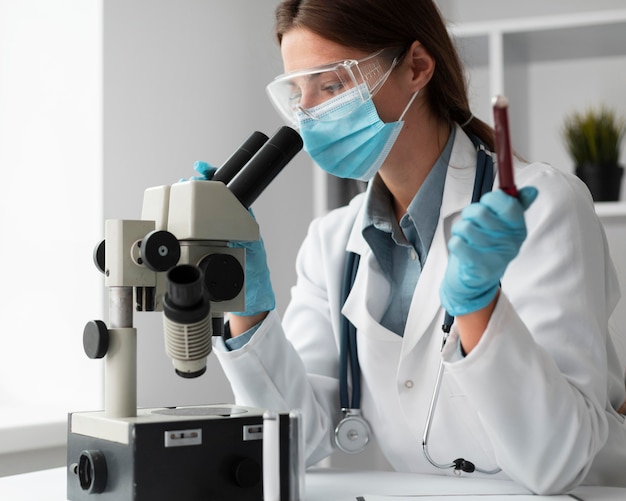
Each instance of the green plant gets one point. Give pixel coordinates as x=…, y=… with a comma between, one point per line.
x=594, y=137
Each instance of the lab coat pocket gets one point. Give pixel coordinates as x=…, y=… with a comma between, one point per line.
x=465, y=420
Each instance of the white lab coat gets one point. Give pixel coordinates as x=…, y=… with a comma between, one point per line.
x=536, y=397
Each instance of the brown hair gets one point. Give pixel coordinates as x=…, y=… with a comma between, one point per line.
x=376, y=24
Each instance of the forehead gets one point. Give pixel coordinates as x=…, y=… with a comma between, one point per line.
x=302, y=49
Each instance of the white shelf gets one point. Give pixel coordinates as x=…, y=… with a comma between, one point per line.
x=573, y=36
x=543, y=23
x=548, y=67
x=610, y=209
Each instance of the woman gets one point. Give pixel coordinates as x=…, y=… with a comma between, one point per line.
x=531, y=377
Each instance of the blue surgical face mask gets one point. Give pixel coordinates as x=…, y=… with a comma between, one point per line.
x=353, y=146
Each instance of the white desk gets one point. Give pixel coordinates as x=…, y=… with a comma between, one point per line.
x=327, y=485
x=333, y=485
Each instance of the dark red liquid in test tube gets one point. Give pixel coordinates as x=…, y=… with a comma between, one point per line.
x=503, y=145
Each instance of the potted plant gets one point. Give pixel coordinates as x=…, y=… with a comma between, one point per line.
x=593, y=140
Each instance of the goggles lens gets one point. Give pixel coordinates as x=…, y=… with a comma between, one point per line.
x=304, y=91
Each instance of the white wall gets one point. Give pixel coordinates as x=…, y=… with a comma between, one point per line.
x=615, y=227
x=184, y=81
x=50, y=165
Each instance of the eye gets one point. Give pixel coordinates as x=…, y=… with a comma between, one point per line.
x=333, y=87
x=294, y=100
x=294, y=93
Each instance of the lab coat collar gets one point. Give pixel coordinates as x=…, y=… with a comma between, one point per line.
x=356, y=243
x=457, y=193
x=426, y=313
x=364, y=307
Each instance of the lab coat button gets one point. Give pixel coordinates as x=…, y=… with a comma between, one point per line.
x=413, y=254
x=408, y=384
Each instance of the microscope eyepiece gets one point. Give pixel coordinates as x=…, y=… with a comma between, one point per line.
x=240, y=158
x=184, y=286
x=187, y=320
x=265, y=165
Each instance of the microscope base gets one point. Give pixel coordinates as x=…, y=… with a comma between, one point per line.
x=191, y=453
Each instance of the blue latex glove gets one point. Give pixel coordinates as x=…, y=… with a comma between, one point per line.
x=483, y=243
x=205, y=171
x=259, y=293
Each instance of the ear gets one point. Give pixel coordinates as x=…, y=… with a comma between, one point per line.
x=420, y=65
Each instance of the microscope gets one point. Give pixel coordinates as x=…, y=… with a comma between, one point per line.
x=178, y=260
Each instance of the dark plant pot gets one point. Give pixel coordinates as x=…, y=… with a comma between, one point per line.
x=604, y=181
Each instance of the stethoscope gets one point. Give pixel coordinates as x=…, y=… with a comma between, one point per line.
x=352, y=434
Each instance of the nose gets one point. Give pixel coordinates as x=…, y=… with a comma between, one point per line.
x=309, y=98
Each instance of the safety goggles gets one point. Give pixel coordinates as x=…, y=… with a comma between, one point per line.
x=304, y=91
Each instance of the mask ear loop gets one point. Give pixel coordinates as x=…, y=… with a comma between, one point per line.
x=408, y=105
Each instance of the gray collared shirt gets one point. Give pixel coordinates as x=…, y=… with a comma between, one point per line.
x=401, y=248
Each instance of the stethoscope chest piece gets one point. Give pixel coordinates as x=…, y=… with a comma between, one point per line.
x=352, y=434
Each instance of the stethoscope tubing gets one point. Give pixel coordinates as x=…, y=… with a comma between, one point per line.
x=429, y=418
x=460, y=464
x=348, y=354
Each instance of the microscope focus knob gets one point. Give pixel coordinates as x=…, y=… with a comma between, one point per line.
x=98, y=256
x=92, y=471
x=160, y=250
x=223, y=276
x=247, y=473
x=96, y=339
